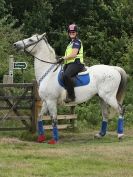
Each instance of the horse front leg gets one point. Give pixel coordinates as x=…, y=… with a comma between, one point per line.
x=40, y=127
x=55, y=133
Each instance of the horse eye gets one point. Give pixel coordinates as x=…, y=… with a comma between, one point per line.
x=31, y=40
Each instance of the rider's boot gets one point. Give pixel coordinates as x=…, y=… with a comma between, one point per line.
x=69, y=99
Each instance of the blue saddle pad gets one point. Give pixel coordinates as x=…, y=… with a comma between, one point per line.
x=79, y=80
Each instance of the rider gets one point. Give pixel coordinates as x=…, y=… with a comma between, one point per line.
x=73, y=61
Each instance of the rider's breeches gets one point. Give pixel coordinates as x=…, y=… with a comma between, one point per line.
x=71, y=70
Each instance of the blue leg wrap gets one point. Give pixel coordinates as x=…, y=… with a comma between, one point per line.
x=40, y=128
x=120, y=125
x=55, y=133
x=103, y=128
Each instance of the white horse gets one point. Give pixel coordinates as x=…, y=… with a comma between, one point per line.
x=109, y=82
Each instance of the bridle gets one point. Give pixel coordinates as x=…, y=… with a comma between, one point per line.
x=36, y=43
x=29, y=52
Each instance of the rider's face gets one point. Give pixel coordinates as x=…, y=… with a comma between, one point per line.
x=72, y=34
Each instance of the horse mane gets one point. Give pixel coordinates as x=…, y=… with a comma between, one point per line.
x=53, y=55
x=52, y=51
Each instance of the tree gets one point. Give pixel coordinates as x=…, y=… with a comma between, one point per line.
x=38, y=20
x=3, y=10
x=105, y=26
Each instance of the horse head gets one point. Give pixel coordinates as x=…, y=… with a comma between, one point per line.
x=36, y=44
x=29, y=43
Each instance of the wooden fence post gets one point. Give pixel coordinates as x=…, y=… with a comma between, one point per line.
x=8, y=79
x=34, y=106
x=73, y=121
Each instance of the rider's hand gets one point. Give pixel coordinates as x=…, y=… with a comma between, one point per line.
x=61, y=60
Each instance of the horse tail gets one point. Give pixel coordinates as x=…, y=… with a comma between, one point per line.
x=122, y=86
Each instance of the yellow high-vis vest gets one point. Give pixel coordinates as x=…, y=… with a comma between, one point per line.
x=69, y=51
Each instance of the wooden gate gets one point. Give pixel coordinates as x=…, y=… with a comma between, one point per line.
x=17, y=106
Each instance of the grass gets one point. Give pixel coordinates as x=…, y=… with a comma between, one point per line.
x=76, y=155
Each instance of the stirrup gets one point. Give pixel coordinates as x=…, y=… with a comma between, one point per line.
x=68, y=100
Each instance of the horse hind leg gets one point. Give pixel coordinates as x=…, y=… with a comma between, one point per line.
x=105, y=112
x=120, y=97
x=120, y=125
x=112, y=101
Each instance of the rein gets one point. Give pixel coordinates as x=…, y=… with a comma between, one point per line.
x=46, y=73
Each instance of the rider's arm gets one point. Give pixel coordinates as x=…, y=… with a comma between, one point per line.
x=75, y=50
x=72, y=55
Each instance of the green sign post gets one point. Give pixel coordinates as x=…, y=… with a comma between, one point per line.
x=19, y=65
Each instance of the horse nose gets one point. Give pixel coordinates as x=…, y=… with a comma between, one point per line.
x=14, y=45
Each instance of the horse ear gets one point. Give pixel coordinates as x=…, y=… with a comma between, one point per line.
x=44, y=34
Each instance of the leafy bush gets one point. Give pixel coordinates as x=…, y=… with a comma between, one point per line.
x=89, y=112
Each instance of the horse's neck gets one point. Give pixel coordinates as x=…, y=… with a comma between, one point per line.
x=45, y=53
x=40, y=68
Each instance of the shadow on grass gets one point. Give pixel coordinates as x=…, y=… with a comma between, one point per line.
x=66, y=137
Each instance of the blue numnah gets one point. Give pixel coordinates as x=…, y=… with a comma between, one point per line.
x=79, y=80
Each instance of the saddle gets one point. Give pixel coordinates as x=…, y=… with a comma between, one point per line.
x=81, y=79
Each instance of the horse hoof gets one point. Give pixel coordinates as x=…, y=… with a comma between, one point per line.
x=98, y=136
x=41, y=138
x=120, y=136
x=52, y=141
